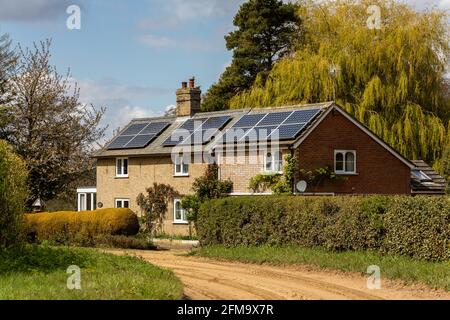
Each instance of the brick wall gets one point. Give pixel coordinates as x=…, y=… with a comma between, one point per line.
x=377, y=170
x=240, y=168
x=142, y=172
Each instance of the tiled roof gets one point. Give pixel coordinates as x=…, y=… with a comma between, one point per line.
x=155, y=147
x=436, y=184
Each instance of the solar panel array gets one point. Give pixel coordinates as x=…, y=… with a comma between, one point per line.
x=196, y=131
x=285, y=125
x=138, y=135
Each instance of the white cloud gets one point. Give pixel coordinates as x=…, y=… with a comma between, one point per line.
x=191, y=43
x=36, y=10
x=119, y=100
x=444, y=4
x=175, y=12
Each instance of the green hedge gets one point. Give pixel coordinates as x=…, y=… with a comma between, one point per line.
x=81, y=228
x=13, y=194
x=413, y=226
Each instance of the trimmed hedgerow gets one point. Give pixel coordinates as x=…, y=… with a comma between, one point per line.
x=414, y=226
x=82, y=228
x=13, y=194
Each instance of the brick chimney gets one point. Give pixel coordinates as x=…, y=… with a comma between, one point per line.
x=188, y=99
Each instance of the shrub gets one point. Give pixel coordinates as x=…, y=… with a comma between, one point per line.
x=13, y=194
x=70, y=227
x=418, y=227
x=206, y=187
x=154, y=204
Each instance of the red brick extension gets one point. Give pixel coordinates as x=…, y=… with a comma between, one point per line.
x=378, y=171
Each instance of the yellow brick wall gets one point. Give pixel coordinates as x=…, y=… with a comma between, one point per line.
x=142, y=173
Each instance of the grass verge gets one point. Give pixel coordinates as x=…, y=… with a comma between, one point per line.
x=39, y=272
x=433, y=274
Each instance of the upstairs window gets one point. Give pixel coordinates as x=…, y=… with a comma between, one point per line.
x=122, y=167
x=273, y=162
x=181, y=167
x=345, y=161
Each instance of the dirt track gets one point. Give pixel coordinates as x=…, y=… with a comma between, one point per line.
x=210, y=279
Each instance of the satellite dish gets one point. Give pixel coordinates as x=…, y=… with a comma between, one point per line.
x=301, y=186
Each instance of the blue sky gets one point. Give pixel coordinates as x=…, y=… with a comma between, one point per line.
x=131, y=56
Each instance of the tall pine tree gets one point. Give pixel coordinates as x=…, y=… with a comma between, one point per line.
x=265, y=31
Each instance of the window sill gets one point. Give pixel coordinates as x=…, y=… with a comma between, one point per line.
x=346, y=173
x=272, y=172
x=121, y=177
x=180, y=223
x=181, y=175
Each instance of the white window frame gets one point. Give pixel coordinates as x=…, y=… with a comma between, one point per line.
x=83, y=192
x=123, y=200
x=179, y=161
x=344, y=154
x=183, y=219
x=273, y=161
x=122, y=166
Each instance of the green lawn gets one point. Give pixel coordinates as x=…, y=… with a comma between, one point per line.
x=39, y=272
x=433, y=274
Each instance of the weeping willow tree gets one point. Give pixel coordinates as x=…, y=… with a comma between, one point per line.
x=390, y=78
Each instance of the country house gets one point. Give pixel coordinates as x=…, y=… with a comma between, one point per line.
x=176, y=149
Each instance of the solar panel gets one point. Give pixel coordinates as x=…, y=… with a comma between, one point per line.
x=134, y=129
x=215, y=122
x=249, y=120
x=289, y=131
x=274, y=119
x=201, y=131
x=155, y=127
x=138, y=135
x=176, y=137
x=193, y=124
x=302, y=116
x=258, y=133
x=120, y=142
x=289, y=124
x=140, y=141
x=234, y=134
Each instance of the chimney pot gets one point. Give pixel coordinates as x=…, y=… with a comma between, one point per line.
x=188, y=99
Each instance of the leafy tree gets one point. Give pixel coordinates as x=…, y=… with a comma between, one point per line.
x=206, y=187
x=13, y=193
x=7, y=65
x=8, y=61
x=266, y=31
x=48, y=126
x=154, y=205
x=392, y=79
